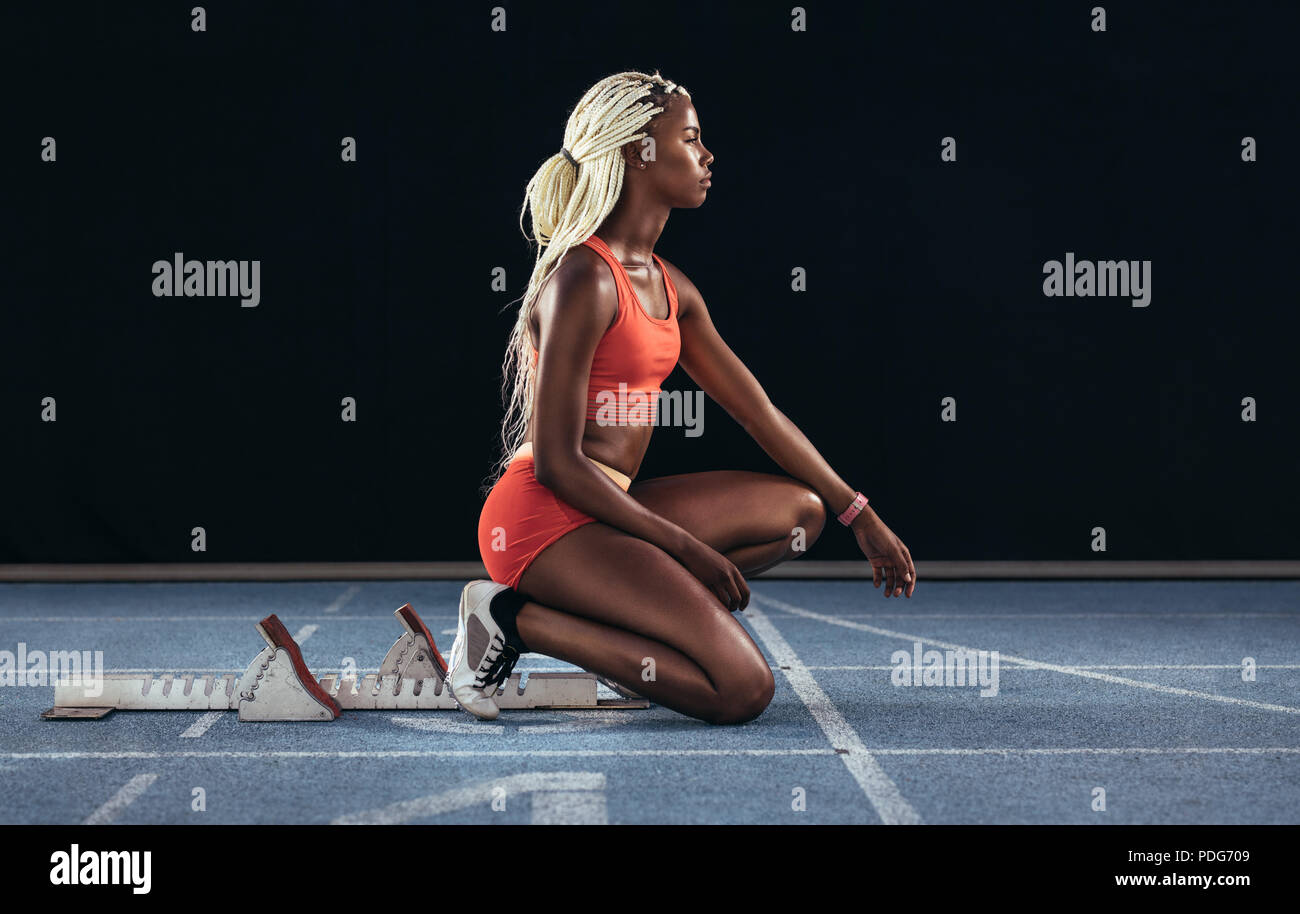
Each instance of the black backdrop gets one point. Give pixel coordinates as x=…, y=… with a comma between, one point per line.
x=924, y=277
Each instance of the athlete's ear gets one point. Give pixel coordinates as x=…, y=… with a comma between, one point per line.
x=631, y=154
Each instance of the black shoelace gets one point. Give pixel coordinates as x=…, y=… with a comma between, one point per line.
x=500, y=667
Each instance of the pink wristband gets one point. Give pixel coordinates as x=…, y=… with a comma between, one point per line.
x=852, y=511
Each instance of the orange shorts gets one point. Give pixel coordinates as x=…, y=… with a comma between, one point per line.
x=521, y=517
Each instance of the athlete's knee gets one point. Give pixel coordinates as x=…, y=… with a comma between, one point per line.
x=810, y=516
x=745, y=697
x=816, y=509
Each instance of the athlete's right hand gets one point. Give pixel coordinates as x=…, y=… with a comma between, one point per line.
x=716, y=572
x=890, y=560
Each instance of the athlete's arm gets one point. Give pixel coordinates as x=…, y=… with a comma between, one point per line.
x=720, y=373
x=711, y=364
x=575, y=308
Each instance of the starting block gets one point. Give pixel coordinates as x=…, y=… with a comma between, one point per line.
x=278, y=685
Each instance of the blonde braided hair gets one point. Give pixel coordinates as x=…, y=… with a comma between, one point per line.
x=568, y=202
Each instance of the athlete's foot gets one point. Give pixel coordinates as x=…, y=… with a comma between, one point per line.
x=481, y=657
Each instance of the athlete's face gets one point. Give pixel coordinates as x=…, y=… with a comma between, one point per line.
x=681, y=163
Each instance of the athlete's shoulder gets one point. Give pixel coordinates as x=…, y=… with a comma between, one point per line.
x=582, y=286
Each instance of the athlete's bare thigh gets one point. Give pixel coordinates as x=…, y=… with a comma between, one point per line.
x=728, y=509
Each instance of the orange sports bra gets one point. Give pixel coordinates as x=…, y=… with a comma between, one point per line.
x=635, y=355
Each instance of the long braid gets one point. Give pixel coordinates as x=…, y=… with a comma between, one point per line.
x=567, y=205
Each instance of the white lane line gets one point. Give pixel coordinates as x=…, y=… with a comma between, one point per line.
x=412, y=753
x=1008, y=658
x=200, y=726
x=882, y=793
x=580, y=722
x=459, y=727
x=569, y=807
x=1104, y=666
x=585, y=725
x=509, y=788
x=576, y=722
x=342, y=599
x=130, y=791
x=304, y=633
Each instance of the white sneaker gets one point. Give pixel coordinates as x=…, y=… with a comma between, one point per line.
x=480, y=660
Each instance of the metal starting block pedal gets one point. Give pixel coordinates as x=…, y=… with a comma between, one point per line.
x=278, y=685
